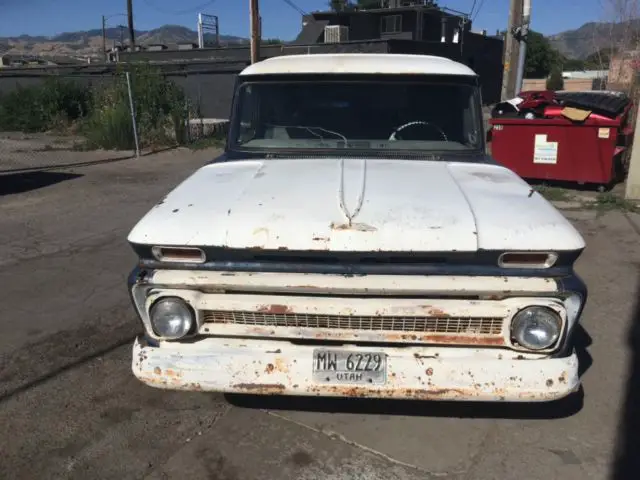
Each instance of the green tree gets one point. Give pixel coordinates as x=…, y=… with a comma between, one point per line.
x=600, y=60
x=541, y=56
x=573, y=64
x=340, y=5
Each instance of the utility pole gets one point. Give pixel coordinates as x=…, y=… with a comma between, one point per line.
x=255, y=30
x=104, y=38
x=512, y=50
x=523, y=34
x=132, y=35
x=632, y=189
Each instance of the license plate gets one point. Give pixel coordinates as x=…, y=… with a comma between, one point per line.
x=344, y=366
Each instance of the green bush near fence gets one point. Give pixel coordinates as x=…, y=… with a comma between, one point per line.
x=102, y=114
x=52, y=104
x=160, y=107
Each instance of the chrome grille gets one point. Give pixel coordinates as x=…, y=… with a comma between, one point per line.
x=435, y=325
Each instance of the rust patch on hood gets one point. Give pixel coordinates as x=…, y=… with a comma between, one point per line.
x=358, y=227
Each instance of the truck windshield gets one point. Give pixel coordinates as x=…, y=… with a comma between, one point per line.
x=376, y=114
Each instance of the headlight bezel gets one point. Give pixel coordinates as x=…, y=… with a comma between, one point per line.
x=560, y=320
x=182, y=303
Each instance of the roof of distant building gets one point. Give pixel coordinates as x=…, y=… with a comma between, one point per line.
x=365, y=63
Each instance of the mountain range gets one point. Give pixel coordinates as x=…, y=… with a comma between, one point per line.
x=593, y=36
x=577, y=43
x=88, y=43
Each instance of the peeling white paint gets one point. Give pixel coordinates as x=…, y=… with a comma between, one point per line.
x=427, y=206
x=424, y=285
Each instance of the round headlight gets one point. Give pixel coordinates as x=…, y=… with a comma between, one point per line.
x=171, y=318
x=536, y=328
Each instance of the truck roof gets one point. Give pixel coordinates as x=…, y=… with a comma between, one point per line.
x=364, y=63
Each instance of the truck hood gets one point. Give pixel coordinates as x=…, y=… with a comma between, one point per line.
x=407, y=205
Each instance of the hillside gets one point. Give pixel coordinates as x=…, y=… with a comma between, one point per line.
x=578, y=43
x=593, y=36
x=88, y=43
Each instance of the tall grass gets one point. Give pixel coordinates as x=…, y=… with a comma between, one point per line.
x=39, y=108
x=102, y=113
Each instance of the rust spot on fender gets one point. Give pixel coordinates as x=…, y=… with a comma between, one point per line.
x=281, y=366
x=172, y=373
x=157, y=371
x=275, y=309
x=563, y=377
x=260, y=388
x=320, y=239
x=429, y=371
x=270, y=368
x=358, y=227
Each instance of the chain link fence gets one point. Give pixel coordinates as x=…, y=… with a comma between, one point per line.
x=49, y=120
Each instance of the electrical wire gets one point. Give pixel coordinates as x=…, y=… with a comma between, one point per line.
x=295, y=7
x=480, y=5
x=180, y=12
x=473, y=6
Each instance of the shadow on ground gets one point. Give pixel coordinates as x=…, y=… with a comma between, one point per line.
x=57, y=166
x=14, y=183
x=566, y=407
x=626, y=463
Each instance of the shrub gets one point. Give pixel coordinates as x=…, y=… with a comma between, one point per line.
x=555, y=81
x=104, y=113
x=43, y=107
x=159, y=106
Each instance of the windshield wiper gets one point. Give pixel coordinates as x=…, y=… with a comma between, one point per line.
x=311, y=129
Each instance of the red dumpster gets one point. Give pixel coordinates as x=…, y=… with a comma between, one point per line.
x=555, y=148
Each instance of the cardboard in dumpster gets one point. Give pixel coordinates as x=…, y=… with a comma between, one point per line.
x=575, y=114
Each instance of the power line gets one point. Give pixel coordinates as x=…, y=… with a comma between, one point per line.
x=480, y=5
x=473, y=6
x=295, y=7
x=180, y=12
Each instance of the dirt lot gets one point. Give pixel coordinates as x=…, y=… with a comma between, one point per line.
x=70, y=407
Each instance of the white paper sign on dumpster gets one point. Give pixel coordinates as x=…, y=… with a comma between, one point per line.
x=544, y=151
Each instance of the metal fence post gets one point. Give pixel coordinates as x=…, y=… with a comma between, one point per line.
x=133, y=115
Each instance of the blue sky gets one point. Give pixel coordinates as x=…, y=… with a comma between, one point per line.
x=50, y=17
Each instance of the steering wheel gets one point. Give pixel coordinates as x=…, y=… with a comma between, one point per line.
x=417, y=122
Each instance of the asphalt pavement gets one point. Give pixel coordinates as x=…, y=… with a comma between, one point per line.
x=70, y=407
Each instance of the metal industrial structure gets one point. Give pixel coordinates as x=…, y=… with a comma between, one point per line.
x=208, y=23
